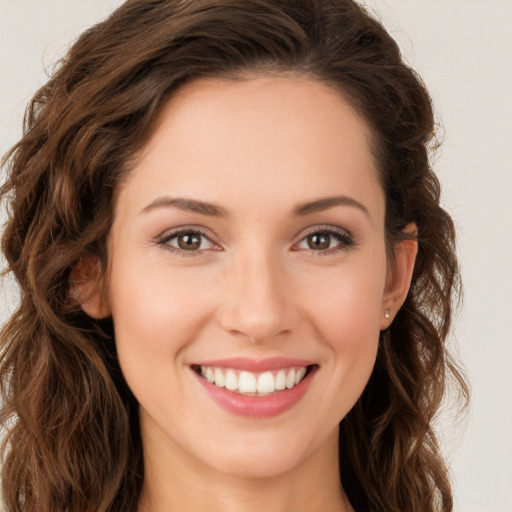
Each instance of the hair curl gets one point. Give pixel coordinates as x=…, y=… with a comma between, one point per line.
x=72, y=436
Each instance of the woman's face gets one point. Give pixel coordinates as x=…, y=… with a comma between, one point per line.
x=248, y=248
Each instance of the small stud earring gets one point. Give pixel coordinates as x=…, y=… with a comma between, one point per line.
x=386, y=314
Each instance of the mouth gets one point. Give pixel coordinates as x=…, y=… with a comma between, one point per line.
x=255, y=388
x=254, y=384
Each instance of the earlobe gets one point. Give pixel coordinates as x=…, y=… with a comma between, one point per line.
x=86, y=287
x=399, y=280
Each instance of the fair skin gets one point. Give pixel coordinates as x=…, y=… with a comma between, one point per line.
x=263, y=271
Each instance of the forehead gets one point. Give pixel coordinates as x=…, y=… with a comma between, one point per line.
x=269, y=137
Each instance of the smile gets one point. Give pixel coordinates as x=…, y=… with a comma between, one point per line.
x=250, y=383
x=255, y=388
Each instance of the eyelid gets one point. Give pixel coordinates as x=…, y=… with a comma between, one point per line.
x=344, y=236
x=163, y=239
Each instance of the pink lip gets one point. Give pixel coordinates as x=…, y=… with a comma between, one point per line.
x=257, y=406
x=256, y=365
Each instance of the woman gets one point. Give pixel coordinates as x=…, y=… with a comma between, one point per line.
x=236, y=278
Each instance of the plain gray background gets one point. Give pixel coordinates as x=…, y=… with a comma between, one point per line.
x=462, y=49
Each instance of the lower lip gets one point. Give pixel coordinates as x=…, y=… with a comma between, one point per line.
x=257, y=406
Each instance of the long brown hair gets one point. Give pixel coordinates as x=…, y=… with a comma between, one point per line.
x=72, y=438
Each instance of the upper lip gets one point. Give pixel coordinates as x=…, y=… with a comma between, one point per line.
x=255, y=365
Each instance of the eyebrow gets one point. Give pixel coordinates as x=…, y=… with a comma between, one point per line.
x=213, y=210
x=191, y=205
x=325, y=203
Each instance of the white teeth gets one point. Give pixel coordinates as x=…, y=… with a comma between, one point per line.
x=219, y=378
x=280, y=380
x=210, y=374
x=249, y=383
x=290, y=379
x=299, y=375
x=266, y=383
x=231, y=381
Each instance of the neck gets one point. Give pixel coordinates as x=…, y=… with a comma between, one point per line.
x=179, y=483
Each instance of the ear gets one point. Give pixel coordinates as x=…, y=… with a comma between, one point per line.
x=399, y=277
x=86, y=286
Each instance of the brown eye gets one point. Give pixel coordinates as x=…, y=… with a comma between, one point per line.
x=192, y=242
x=329, y=240
x=189, y=241
x=319, y=241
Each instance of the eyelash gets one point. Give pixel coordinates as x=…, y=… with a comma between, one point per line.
x=164, y=242
x=344, y=238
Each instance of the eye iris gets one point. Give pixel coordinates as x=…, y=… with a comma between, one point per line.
x=189, y=241
x=319, y=241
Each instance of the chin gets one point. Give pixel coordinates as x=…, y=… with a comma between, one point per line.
x=260, y=455
x=259, y=465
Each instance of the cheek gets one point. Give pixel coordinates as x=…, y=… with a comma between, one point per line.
x=156, y=315
x=347, y=303
x=349, y=328
x=351, y=331
x=155, y=307
x=345, y=311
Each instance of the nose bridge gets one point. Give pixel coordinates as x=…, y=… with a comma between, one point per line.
x=258, y=302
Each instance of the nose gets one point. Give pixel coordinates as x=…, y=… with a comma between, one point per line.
x=258, y=304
